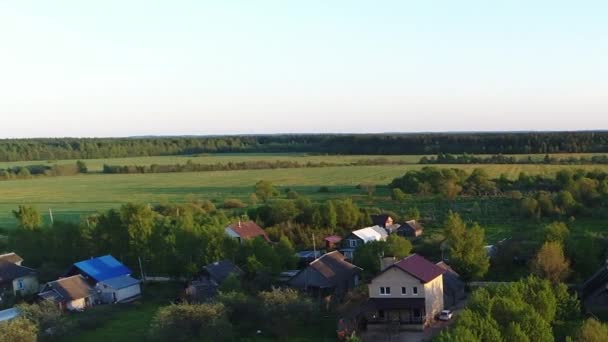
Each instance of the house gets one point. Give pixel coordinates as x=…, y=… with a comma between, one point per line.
x=71, y=293
x=206, y=285
x=8, y=314
x=246, y=231
x=16, y=279
x=410, y=228
x=220, y=270
x=306, y=257
x=453, y=286
x=332, y=242
x=112, y=280
x=329, y=275
x=594, y=291
x=382, y=220
x=408, y=292
x=360, y=237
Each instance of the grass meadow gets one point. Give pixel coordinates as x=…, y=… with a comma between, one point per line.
x=72, y=197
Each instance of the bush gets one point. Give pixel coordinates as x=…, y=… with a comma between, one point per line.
x=323, y=189
x=187, y=322
x=233, y=203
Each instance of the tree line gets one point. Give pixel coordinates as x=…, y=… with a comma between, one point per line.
x=387, y=144
x=446, y=158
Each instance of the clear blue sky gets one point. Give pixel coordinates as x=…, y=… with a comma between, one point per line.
x=125, y=67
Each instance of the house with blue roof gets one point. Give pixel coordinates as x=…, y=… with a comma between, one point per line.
x=111, y=279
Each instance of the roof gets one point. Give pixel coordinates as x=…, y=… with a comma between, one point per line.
x=334, y=267
x=330, y=270
x=248, y=230
x=420, y=268
x=11, y=257
x=220, y=270
x=333, y=238
x=71, y=288
x=413, y=225
x=447, y=268
x=103, y=268
x=380, y=220
x=368, y=234
x=9, y=314
x=121, y=282
x=10, y=271
x=308, y=254
x=598, y=280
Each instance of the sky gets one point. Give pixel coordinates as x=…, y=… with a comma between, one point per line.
x=129, y=67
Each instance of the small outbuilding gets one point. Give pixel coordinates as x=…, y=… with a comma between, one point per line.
x=71, y=293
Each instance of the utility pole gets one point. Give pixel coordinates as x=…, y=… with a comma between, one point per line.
x=51, y=215
x=141, y=269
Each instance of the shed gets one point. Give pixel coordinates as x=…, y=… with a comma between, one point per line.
x=119, y=289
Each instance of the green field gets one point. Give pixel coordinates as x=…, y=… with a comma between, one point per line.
x=75, y=196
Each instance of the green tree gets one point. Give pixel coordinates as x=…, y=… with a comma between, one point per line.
x=529, y=207
x=28, y=217
x=398, y=195
x=367, y=257
x=81, y=166
x=413, y=214
x=265, y=190
x=556, y=232
x=18, y=330
x=284, y=310
x=189, y=322
x=286, y=254
x=397, y=246
x=466, y=247
x=138, y=219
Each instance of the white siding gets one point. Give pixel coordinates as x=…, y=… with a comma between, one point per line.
x=128, y=292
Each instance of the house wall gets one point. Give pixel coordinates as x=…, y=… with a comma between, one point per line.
x=26, y=285
x=128, y=292
x=433, y=291
x=78, y=304
x=396, y=278
x=346, y=243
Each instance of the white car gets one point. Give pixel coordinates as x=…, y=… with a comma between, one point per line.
x=446, y=315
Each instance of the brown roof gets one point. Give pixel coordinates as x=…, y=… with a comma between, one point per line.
x=11, y=257
x=71, y=288
x=333, y=238
x=248, y=230
x=420, y=268
x=334, y=267
x=10, y=271
x=414, y=225
x=447, y=268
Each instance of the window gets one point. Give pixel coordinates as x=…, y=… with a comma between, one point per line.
x=417, y=312
x=388, y=290
x=415, y=290
x=20, y=284
x=403, y=290
x=385, y=290
x=352, y=243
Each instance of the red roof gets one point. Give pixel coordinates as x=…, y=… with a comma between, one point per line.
x=249, y=230
x=333, y=238
x=420, y=268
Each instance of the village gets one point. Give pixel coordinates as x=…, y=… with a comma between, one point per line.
x=409, y=297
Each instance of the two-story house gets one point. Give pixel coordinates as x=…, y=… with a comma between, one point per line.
x=360, y=237
x=409, y=292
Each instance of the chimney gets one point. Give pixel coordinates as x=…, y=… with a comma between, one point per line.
x=387, y=262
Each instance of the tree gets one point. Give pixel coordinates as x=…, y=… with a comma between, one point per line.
x=28, y=217
x=450, y=190
x=550, y=262
x=398, y=195
x=18, y=330
x=188, y=322
x=529, y=207
x=466, y=247
x=556, y=232
x=592, y=331
x=286, y=254
x=265, y=190
x=284, y=310
x=138, y=219
x=81, y=166
x=413, y=214
x=397, y=246
x=367, y=257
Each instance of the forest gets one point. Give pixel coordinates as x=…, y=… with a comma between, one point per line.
x=378, y=144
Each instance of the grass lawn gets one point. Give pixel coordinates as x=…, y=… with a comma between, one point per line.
x=72, y=197
x=128, y=322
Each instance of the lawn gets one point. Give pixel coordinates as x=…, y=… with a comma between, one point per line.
x=72, y=197
x=125, y=322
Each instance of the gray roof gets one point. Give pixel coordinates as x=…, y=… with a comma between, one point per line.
x=220, y=270
x=121, y=282
x=330, y=270
x=10, y=271
x=9, y=314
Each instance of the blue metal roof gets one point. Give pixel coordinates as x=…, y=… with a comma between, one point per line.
x=103, y=268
